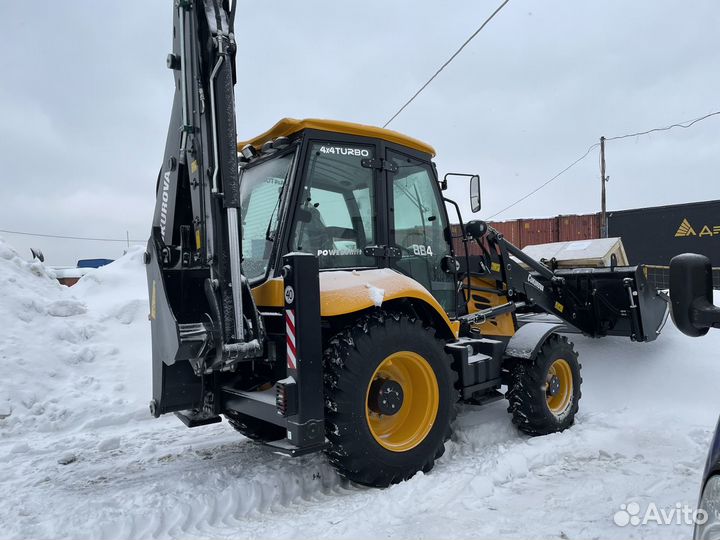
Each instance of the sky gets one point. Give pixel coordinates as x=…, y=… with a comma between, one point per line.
x=85, y=101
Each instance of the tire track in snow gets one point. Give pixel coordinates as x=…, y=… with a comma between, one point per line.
x=210, y=482
x=203, y=491
x=191, y=483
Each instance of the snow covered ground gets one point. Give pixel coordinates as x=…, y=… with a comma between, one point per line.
x=82, y=458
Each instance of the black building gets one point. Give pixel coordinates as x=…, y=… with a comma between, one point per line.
x=655, y=235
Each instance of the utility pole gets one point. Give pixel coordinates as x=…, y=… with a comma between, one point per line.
x=603, y=179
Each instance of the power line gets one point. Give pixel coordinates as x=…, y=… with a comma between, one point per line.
x=533, y=192
x=684, y=125
x=468, y=40
x=23, y=233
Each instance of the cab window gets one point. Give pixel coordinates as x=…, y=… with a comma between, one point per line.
x=418, y=227
x=261, y=189
x=335, y=218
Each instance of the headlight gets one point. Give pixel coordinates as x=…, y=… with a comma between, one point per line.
x=710, y=509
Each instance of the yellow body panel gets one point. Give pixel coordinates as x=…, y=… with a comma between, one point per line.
x=502, y=325
x=290, y=126
x=343, y=292
x=269, y=294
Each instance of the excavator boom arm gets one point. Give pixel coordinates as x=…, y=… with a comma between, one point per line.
x=201, y=308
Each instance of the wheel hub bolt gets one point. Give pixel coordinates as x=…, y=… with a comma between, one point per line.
x=553, y=387
x=386, y=397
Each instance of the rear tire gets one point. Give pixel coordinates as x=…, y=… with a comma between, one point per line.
x=368, y=362
x=544, y=392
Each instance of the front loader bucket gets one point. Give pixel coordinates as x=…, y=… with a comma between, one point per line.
x=614, y=302
x=654, y=306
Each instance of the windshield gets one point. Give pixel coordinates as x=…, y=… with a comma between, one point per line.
x=261, y=189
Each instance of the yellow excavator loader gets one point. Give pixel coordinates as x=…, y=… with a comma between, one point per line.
x=305, y=285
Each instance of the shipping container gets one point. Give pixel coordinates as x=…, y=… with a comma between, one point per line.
x=509, y=229
x=578, y=227
x=651, y=236
x=655, y=235
x=537, y=231
x=473, y=248
x=529, y=232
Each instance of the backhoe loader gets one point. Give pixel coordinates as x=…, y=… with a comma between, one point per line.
x=304, y=284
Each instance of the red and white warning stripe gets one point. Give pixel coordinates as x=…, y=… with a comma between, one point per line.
x=290, y=333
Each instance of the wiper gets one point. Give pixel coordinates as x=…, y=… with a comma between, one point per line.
x=268, y=236
x=422, y=209
x=414, y=199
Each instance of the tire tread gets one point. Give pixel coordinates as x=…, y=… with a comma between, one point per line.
x=345, y=450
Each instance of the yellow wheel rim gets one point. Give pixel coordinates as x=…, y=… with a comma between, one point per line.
x=560, y=402
x=409, y=426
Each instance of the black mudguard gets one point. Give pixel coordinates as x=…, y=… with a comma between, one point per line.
x=528, y=339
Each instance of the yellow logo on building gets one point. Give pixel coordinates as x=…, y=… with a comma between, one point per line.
x=685, y=229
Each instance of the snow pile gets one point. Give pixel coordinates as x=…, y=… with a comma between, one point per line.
x=82, y=458
x=61, y=353
x=33, y=308
x=81, y=455
x=117, y=299
x=117, y=291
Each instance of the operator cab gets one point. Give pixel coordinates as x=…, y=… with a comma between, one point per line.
x=356, y=197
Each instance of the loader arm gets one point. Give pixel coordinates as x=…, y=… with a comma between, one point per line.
x=598, y=302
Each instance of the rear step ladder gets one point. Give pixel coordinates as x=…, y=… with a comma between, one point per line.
x=296, y=402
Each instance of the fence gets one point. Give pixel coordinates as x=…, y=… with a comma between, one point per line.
x=659, y=276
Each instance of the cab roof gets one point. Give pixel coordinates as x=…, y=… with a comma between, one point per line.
x=290, y=126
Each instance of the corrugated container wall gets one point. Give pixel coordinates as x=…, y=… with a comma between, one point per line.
x=529, y=232
x=585, y=227
x=538, y=231
x=509, y=229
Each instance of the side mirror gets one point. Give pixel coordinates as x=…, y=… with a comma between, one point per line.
x=691, y=294
x=475, y=193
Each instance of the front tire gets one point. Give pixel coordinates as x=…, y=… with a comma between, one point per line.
x=390, y=399
x=544, y=392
